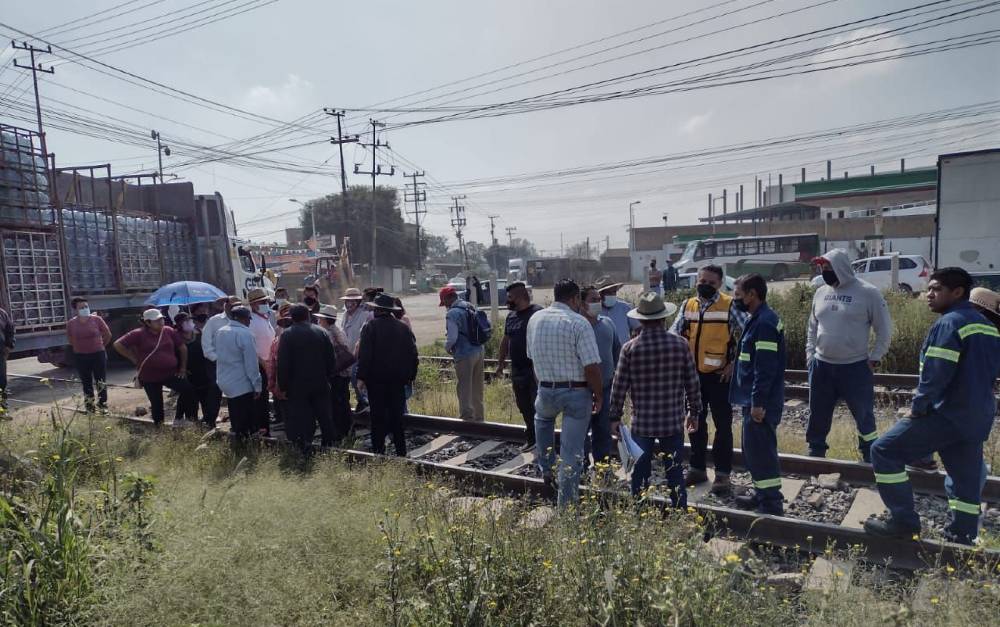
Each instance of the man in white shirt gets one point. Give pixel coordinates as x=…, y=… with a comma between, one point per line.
x=354, y=318
x=263, y=337
x=567, y=364
x=208, y=335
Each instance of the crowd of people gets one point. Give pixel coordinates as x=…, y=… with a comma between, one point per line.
x=581, y=358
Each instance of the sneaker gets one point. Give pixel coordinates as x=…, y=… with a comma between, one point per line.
x=721, y=484
x=923, y=465
x=695, y=476
x=890, y=529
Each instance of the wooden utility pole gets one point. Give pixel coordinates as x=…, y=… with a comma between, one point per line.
x=35, y=68
x=375, y=171
x=510, y=236
x=414, y=192
x=340, y=140
x=458, y=223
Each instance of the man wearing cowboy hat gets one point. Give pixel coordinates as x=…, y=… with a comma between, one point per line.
x=986, y=302
x=387, y=363
x=263, y=337
x=656, y=370
x=615, y=309
x=354, y=318
x=340, y=391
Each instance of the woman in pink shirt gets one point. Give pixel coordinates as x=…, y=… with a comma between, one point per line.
x=88, y=335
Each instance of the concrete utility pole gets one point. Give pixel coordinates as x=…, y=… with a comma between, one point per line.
x=458, y=223
x=416, y=194
x=493, y=239
x=375, y=171
x=160, y=151
x=35, y=68
x=510, y=235
x=631, y=223
x=340, y=140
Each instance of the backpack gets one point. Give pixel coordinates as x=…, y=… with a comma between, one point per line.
x=479, y=327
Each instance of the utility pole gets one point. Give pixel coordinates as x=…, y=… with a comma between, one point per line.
x=339, y=141
x=415, y=193
x=35, y=68
x=510, y=236
x=160, y=151
x=493, y=239
x=375, y=171
x=458, y=223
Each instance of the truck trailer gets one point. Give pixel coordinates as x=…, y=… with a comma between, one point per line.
x=67, y=232
x=968, y=211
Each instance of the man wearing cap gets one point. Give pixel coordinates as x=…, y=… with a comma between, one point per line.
x=468, y=356
x=263, y=335
x=656, y=370
x=567, y=364
x=208, y=333
x=238, y=372
x=616, y=309
x=515, y=345
x=340, y=391
x=354, y=318
x=387, y=363
x=952, y=413
x=160, y=357
x=844, y=313
x=306, y=363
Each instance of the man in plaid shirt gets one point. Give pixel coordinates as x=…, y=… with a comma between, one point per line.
x=656, y=369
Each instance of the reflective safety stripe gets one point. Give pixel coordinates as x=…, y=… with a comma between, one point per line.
x=744, y=356
x=768, y=483
x=965, y=508
x=767, y=346
x=781, y=326
x=716, y=316
x=942, y=353
x=978, y=328
x=892, y=477
x=869, y=437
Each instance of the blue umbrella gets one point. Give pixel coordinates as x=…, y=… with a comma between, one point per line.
x=184, y=293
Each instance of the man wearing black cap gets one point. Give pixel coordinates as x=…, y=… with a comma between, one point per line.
x=515, y=344
x=387, y=362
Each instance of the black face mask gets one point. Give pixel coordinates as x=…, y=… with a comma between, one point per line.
x=511, y=305
x=309, y=301
x=740, y=305
x=830, y=277
x=706, y=291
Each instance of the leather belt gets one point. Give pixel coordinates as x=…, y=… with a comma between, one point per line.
x=563, y=384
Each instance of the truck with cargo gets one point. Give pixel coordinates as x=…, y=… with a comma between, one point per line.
x=968, y=211
x=67, y=232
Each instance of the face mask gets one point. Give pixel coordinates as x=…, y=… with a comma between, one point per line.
x=281, y=301
x=706, y=291
x=511, y=305
x=187, y=326
x=309, y=301
x=594, y=309
x=83, y=312
x=740, y=305
x=264, y=309
x=830, y=277
x=202, y=318
x=610, y=301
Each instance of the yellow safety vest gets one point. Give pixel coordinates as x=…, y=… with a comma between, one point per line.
x=708, y=332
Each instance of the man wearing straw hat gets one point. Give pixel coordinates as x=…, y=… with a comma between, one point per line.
x=657, y=371
x=354, y=318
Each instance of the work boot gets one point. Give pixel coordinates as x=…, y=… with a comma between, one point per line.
x=695, y=476
x=746, y=501
x=890, y=529
x=817, y=452
x=927, y=464
x=721, y=484
x=957, y=538
x=865, y=448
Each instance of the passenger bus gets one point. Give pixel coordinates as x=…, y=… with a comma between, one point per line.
x=775, y=257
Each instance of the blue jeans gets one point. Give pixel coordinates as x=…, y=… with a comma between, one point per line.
x=599, y=440
x=829, y=383
x=670, y=449
x=760, y=455
x=913, y=438
x=574, y=404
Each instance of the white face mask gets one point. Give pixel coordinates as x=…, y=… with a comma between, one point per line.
x=187, y=326
x=263, y=309
x=281, y=301
x=83, y=312
x=610, y=301
x=594, y=309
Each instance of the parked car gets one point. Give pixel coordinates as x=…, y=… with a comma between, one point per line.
x=688, y=280
x=914, y=272
x=501, y=292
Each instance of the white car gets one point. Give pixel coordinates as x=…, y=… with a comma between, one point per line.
x=913, y=273
x=688, y=281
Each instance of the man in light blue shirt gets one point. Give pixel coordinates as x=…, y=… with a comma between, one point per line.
x=616, y=309
x=468, y=356
x=609, y=347
x=237, y=372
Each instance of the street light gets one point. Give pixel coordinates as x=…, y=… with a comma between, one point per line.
x=161, y=150
x=631, y=222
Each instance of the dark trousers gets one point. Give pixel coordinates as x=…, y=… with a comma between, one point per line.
x=187, y=406
x=340, y=407
x=303, y=411
x=242, y=415
x=387, y=406
x=714, y=396
x=829, y=383
x=599, y=440
x=913, y=438
x=93, y=368
x=213, y=397
x=262, y=407
x=760, y=455
x=3, y=377
x=670, y=448
x=525, y=391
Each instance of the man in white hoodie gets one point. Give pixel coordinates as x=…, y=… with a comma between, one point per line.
x=840, y=354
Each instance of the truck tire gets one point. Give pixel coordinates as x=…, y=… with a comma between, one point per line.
x=779, y=272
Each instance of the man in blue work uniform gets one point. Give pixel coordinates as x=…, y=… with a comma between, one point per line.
x=616, y=309
x=758, y=386
x=952, y=413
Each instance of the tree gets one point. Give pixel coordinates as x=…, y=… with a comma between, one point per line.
x=435, y=246
x=580, y=250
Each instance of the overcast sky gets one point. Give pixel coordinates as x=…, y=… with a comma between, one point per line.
x=286, y=59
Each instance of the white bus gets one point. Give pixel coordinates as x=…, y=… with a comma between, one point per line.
x=775, y=257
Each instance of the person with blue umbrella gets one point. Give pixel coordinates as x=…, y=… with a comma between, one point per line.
x=183, y=293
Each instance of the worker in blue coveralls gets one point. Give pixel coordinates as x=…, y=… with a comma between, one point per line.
x=952, y=413
x=758, y=386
